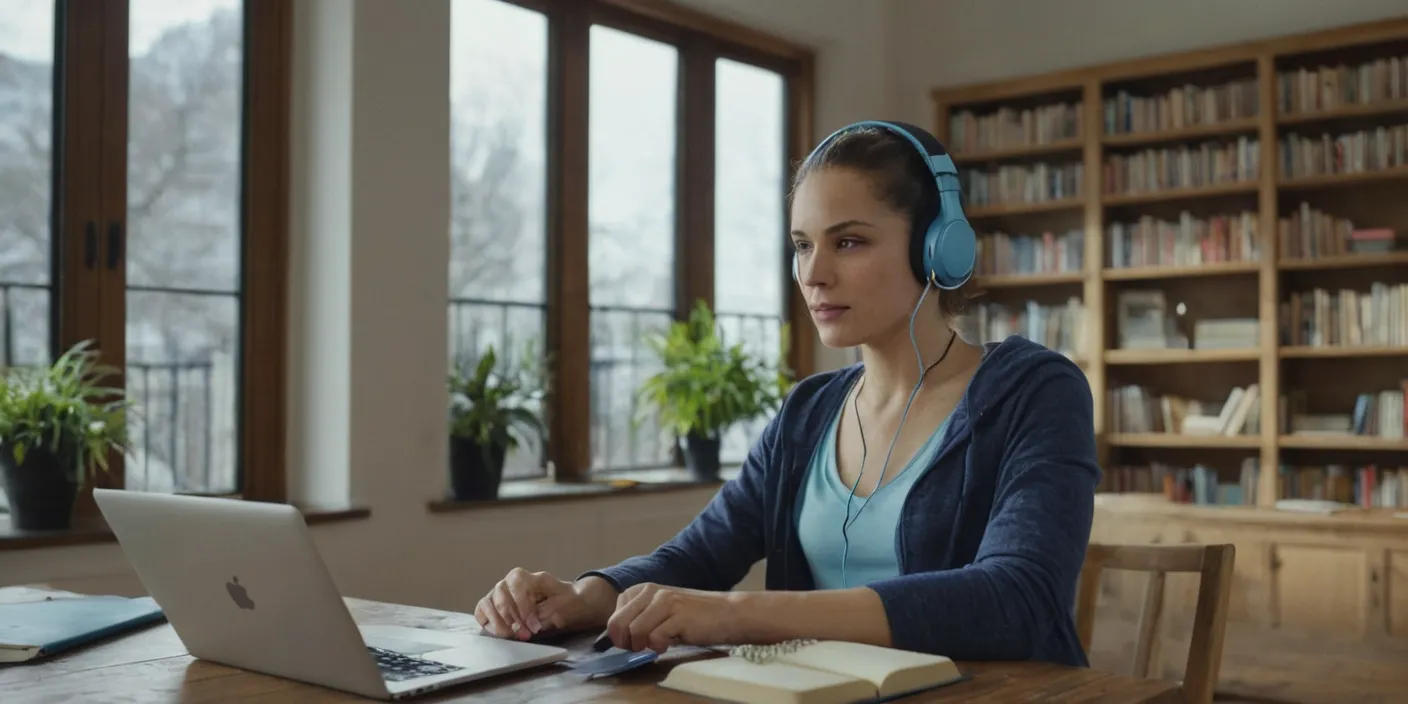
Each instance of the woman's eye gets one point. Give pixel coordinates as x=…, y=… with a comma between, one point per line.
x=847, y=243
x=800, y=246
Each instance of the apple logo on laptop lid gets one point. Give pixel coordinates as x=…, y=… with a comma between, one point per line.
x=239, y=594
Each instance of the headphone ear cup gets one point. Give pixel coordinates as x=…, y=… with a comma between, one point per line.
x=950, y=252
x=795, y=276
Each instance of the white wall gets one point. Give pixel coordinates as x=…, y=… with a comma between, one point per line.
x=368, y=287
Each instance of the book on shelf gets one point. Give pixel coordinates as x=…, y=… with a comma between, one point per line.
x=1181, y=107
x=1002, y=254
x=825, y=672
x=1134, y=409
x=1226, y=333
x=1323, y=88
x=1362, y=151
x=1310, y=233
x=1199, y=484
x=1188, y=241
x=1021, y=184
x=1171, y=168
x=1013, y=128
x=1143, y=321
x=1383, y=414
x=1363, y=485
x=1346, y=318
x=1061, y=328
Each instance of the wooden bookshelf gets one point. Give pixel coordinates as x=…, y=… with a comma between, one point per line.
x=1224, y=207
x=1180, y=271
x=1228, y=118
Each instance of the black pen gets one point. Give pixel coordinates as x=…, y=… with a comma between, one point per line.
x=603, y=642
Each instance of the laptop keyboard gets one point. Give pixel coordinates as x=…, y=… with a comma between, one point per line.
x=396, y=667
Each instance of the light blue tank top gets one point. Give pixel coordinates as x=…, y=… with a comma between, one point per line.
x=870, y=535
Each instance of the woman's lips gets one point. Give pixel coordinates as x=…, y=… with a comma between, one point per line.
x=828, y=313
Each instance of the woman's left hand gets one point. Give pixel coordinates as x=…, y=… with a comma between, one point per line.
x=656, y=617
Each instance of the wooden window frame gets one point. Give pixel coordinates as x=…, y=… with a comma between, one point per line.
x=701, y=39
x=91, y=105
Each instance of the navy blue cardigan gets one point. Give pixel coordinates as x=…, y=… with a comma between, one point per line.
x=990, y=540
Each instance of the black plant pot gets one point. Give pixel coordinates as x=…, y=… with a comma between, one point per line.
x=471, y=477
x=41, y=492
x=701, y=457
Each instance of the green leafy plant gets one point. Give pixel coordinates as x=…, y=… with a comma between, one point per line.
x=65, y=409
x=495, y=403
x=708, y=385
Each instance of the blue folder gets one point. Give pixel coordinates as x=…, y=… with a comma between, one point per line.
x=36, y=629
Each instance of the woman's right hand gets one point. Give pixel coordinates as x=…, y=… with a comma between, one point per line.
x=525, y=603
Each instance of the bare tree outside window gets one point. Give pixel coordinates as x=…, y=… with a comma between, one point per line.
x=631, y=220
x=185, y=126
x=749, y=222
x=498, y=187
x=26, y=113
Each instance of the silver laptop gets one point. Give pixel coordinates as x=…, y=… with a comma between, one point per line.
x=242, y=584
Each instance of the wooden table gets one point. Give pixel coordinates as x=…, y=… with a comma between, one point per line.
x=151, y=665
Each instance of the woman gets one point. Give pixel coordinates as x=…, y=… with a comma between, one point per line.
x=980, y=459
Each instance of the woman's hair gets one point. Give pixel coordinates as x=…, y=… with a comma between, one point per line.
x=898, y=176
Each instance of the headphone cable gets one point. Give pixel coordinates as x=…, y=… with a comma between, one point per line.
x=847, y=520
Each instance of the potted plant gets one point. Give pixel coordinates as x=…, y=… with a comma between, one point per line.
x=493, y=408
x=707, y=386
x=57, y=425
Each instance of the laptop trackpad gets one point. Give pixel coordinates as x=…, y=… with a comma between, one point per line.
x=413, y=641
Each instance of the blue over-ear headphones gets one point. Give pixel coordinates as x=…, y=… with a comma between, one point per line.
x=943, y=250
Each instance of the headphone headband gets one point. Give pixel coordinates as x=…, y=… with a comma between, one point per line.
x=945, y=250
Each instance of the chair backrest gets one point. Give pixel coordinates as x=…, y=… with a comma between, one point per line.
x=1214, y=564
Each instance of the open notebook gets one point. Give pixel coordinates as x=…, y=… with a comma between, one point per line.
x=828, y=672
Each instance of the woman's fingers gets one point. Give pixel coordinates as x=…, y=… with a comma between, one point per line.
x=646, y=628
x=628, y=607
x=523, y=588
x=556, y=611
x=488, y=616
x=508, y=610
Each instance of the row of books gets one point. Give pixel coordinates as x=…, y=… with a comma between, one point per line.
x=1187, y=241
x=1180, y=107
x=1312, y=90
x=1383, y=147
x=1309, y=233
x=1009, y=128
x=1381, y=414
x=1320, y=317
x=1047, y=253
x=1207, y=164
x=1061, y=328
x=1137, y=409
x=1198, y=484
x=1035, y=183
x=1364, y=485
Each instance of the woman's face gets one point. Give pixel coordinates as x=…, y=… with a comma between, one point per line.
x=852, y=254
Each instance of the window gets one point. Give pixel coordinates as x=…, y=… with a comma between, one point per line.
x=623, y=162
x=498, y=190
x=631, y=226
x=750, y=182
x=142, y=119
x=26, y=241
x=183, y=257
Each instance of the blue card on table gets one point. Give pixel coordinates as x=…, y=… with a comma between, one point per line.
x=614, y=662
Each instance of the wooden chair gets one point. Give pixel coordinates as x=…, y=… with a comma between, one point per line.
x=1214, y=564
